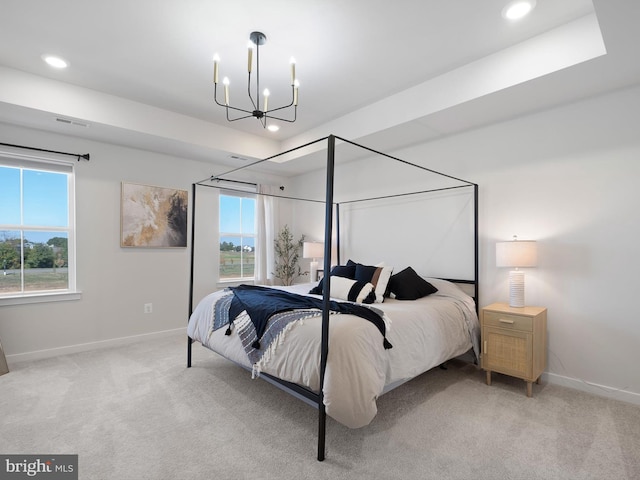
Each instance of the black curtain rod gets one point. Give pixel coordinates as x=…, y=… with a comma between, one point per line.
x=78, y=155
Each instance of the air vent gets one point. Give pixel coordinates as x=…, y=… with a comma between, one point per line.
x=71, y=122
x=236, y=157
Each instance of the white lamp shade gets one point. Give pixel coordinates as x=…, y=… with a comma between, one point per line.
x=517, y=253
x=313, y=250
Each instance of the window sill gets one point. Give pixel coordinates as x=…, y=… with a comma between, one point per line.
x=40, y=298
x=232, y=282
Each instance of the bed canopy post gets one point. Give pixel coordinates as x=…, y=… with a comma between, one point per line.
x=476, y=247
x=324, y=347
x=193, y=249
x=337, y=234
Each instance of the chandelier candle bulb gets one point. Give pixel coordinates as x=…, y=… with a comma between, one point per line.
x=216, y=59
x=266, y=99
x=293, y=71
x=225, y=80
x=296, y=84
x=250, y=56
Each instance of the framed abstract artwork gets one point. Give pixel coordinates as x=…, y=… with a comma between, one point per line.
x=153, y=217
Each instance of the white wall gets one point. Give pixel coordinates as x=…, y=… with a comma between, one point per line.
x=423, y=230
x=115, y=282
x=568, y=178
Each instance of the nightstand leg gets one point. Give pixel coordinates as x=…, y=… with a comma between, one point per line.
x=488, y=377
x=529, y=389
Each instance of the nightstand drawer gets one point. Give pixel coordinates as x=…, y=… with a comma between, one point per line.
x=505, y=320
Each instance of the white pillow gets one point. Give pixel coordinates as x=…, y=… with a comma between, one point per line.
x=351, y=290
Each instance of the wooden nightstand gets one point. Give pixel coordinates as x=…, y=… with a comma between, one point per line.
x=514, y=342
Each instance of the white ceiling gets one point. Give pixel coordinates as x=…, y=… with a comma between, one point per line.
x=386, y=73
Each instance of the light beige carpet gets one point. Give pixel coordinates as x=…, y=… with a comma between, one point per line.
x=137, y=412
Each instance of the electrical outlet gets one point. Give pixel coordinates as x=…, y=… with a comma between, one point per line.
x=148, y=307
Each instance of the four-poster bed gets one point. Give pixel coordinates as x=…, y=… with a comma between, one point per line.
x=433, y=327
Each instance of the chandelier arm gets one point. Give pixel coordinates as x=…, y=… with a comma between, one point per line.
x=255, y=106
x=295, y=115
x=283, y=119
x=279, y=108
x=293, y=99
x=238, y=109
x=218, y=103
x=239, y=118
x=215, y=90
x=215, y=95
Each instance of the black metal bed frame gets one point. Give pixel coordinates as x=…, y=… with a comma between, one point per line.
x=316, y=398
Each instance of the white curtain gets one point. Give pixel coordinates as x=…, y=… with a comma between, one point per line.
x=266, y=219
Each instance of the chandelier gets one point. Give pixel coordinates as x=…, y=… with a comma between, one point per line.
x=255, y=40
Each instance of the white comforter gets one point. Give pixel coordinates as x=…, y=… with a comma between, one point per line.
x=424, y=333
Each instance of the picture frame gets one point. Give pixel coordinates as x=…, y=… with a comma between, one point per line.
x=152, y=216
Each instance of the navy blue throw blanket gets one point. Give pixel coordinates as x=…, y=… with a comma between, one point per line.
x=261, y=303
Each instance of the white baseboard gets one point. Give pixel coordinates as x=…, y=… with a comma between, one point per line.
x=593, y=388
x=83, y=347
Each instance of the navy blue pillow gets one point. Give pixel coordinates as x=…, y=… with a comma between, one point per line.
x=408, y=285
x=346, y=271
x=365, y=273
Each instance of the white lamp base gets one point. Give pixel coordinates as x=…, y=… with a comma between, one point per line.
x=313, y=271
x=516, y=288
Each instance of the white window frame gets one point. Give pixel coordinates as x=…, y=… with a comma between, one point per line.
x=49, y=163
x=250, y=193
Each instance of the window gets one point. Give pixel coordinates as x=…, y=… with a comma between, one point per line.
x=37, y=247
x=237, y=236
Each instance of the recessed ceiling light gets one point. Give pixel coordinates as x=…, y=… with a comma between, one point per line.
x=273, y=128
x=54, y=61
x=518, y=9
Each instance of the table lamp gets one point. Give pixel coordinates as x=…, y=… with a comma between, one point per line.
x=313, y=250
x=516, y=254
